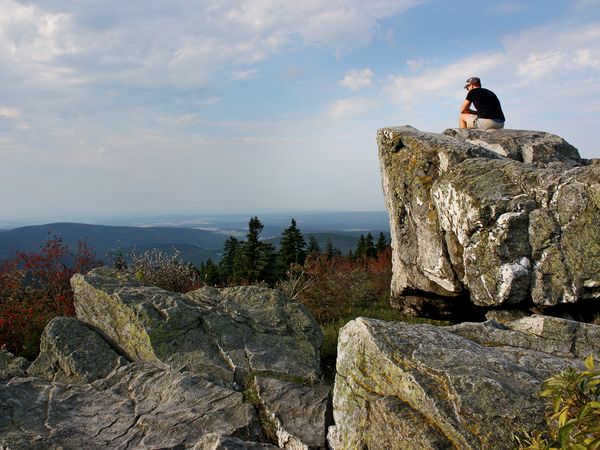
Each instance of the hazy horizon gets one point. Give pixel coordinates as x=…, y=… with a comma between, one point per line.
x=148, y=107
x=143, y=219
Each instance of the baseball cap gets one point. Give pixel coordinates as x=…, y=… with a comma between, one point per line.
x=473, y=80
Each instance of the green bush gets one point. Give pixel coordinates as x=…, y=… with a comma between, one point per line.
x=573, y=415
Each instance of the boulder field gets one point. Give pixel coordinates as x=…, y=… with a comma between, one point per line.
x=238, y=368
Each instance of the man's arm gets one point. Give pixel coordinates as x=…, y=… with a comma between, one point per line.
x=466, y=108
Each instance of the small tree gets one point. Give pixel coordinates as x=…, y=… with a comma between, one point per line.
x=293, y=247
x=210, y=273
x=258, y=259
x=330, y=251
x=381, y=243
x=313, y=246
x=361, y=247
x=230, y=265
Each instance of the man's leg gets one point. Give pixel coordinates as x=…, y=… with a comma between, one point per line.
x=467, y=121
x=489, y=124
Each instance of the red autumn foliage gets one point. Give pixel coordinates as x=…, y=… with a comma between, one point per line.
x=330, y=287
x=35, y=288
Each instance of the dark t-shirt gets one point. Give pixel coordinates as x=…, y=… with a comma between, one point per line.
x=486, y=103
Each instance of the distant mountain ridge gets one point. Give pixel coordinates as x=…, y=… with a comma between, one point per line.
x=193, y=244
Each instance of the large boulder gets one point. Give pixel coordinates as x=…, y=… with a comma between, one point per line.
x=502, y=218
x=471, y=386
x=220, y=334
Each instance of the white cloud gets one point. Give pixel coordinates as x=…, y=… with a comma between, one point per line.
x=351, y=107
x=246, y=74
x=357, y=79
x=547, y=54
x=439, y=81
x=9, y=113
x=182, y=43
x=545, y=77
x=415, y=64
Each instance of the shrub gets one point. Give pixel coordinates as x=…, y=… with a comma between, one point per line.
x=35, y=288
x=573, y=413
x=332, y=286
x=164, y=270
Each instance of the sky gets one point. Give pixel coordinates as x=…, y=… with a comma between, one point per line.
x=147, y=107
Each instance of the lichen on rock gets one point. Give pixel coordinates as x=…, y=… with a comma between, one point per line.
x=470, y=386
x=505, y=217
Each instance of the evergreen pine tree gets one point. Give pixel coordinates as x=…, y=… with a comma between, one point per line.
x=361, y=248
x=251, y=250
x=313, y=245
x=209, y=273
x=329, y=250
x=381, y=243
x=292, y=247
x=370, y=250
x=229, y=267
x=258, y=258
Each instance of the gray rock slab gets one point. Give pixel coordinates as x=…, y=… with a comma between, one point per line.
x=521, y=145
x=582, y=339
x=222, y=335
x=301, y=415
x=136, y=406
x=72, y=352
x=421, y=386
x=262, y=331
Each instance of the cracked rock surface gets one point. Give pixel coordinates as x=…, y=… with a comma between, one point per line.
x=137, y=406
x=220, y=334
x=144, y=368
x=300, y=415
x=401, y=386
x=502, y=217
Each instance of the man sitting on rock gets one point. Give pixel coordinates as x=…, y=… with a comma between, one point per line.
x=488, y=114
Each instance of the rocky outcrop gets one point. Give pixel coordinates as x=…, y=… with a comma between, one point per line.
x=146, y=368
x=470, y=386
x=501, y=218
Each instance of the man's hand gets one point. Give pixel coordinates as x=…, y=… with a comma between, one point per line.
x=466, y=108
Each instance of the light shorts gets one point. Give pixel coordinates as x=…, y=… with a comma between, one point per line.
x=484, y=124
